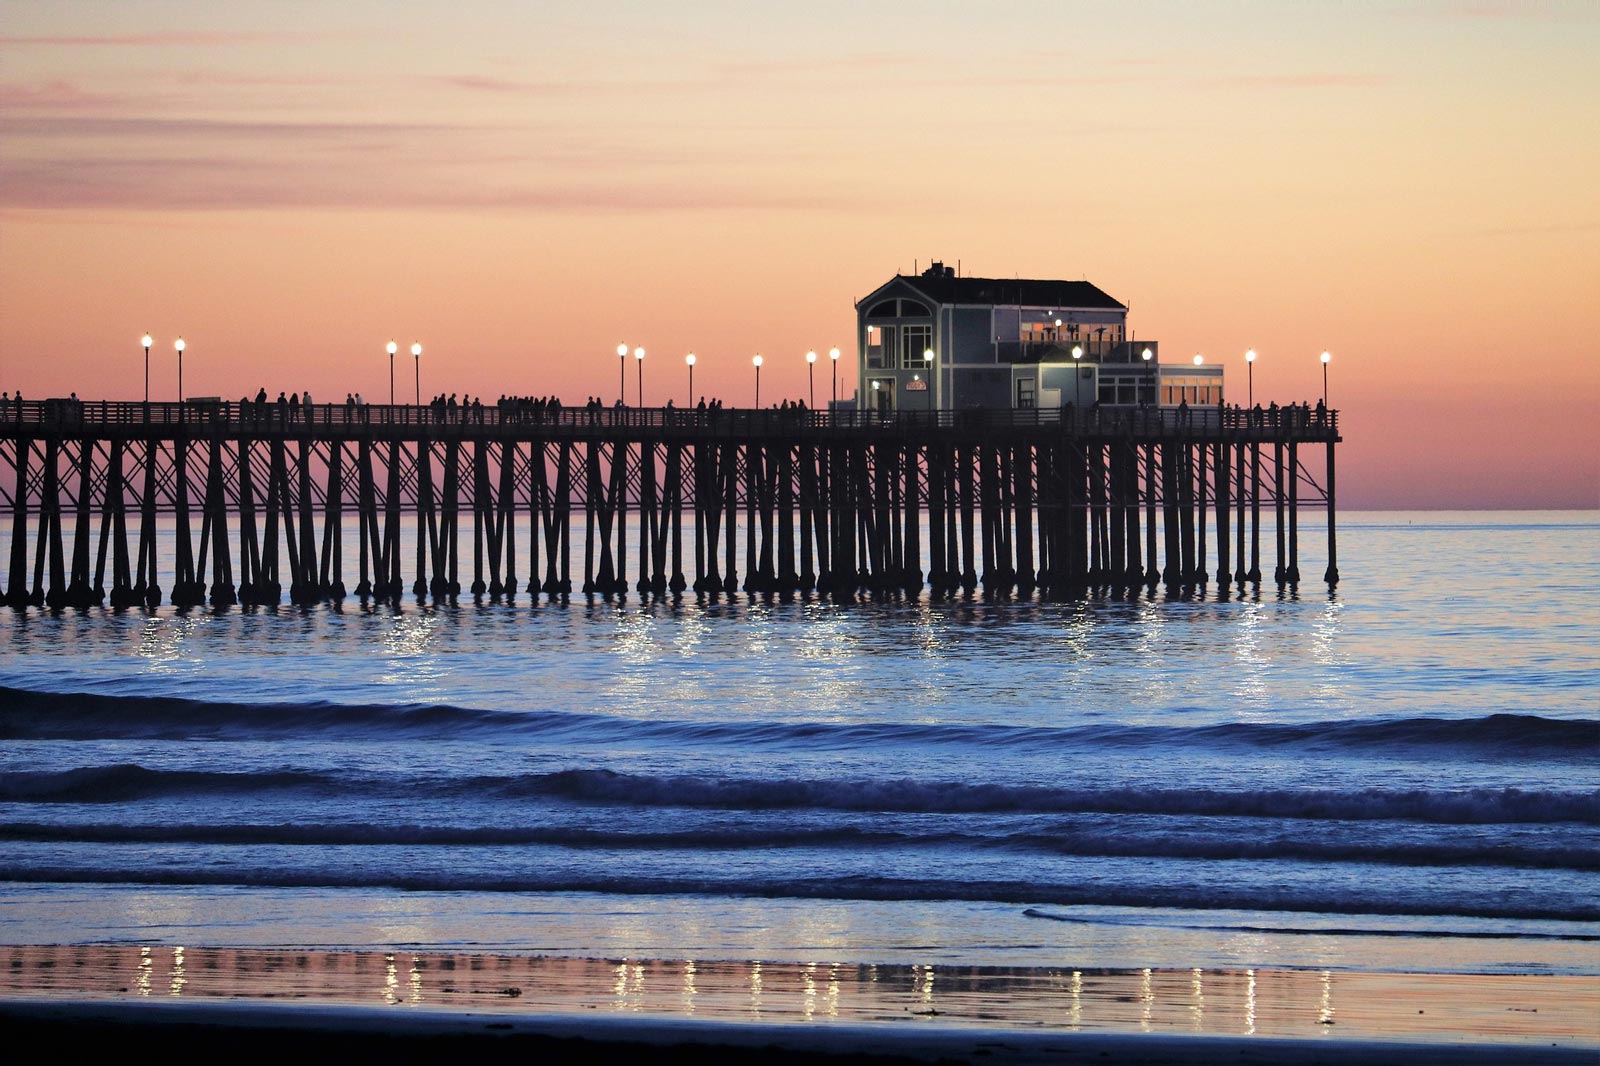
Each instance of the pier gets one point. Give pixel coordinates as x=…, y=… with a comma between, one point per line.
x=1015, y=501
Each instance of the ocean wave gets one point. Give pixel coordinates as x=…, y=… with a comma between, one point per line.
x=1253, y=897
x=1323, y=930
x=124, y=782
x=1110, y=841
x=32, y=715
x=1478, y=806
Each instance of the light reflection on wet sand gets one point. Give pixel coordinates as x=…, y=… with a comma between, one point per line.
x=1259, y=1002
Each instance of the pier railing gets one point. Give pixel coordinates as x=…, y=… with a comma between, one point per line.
x=246, y=417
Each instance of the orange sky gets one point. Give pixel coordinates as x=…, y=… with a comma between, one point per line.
x=1411, y=185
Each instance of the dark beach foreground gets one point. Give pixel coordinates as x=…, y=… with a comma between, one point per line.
x=374, y=1034
x=414, y=1006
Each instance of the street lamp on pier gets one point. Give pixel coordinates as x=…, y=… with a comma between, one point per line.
x=416, y=358
x=689, y=359
x=757, y=361
x=1077, y=351
x=147, y=340
x=833, y=354
x=811, y=376
x=180, y=346
x=1325, y=360
x=638, y=357
x=391, y=348
x=622, y=369
x=1155, y=393
x=1250, y=377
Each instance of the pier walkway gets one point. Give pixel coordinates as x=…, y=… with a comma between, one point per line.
x=1059, y=501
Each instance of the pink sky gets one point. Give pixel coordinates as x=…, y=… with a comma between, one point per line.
x=289, y=185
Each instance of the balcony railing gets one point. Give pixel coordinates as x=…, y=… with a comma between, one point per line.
x=1095, y=350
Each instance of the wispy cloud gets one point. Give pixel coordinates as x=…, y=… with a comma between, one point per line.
x=1512, y=10
x=86, y=162
x=156, y=40
x=167, y=184
x=817, y=66
x=55, y=95
x=479, y=83
x=1540, y=229
x=1294, y=81
x=143, y=128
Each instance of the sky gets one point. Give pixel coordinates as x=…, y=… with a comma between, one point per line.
x=1414, y=187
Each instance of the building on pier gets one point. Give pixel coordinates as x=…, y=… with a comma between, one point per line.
x=937, y=341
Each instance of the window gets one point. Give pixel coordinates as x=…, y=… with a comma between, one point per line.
x=1025, y=392
x=899, y=309
x=914, y=340
x=1121, y=389
x=880, y=347
x=1194, y=391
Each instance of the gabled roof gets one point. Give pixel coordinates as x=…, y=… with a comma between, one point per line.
x=946, y=289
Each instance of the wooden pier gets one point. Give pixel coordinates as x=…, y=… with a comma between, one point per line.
x=1014, y=501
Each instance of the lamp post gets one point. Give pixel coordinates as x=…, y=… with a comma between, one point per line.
x=147, y=340
x=811, y=375
x=833, y=354
x=927, y=368
x=180, y=346
x=757, y=361
x=689, y=359
x=391, y=348
x=1250, y=377
x=638, y=357
x=1325, y=359
x=622, y=367
x=416, y=358
x=1155, y=393
x=1077, y=351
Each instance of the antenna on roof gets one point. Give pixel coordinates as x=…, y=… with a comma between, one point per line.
x=958, y=268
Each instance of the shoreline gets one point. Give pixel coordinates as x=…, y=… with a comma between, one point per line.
x=278, y=1029
x=304, y=997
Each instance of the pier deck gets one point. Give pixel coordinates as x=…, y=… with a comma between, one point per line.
x=1059, y=501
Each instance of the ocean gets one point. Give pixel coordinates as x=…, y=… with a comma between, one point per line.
x=1402, y=775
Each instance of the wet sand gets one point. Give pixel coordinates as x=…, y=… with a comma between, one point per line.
x=706, y=1010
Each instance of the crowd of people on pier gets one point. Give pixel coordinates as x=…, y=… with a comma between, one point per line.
x=290, y=408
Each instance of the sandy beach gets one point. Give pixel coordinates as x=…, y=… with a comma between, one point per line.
x=682, y=1010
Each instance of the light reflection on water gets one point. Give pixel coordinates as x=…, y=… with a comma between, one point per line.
x=1511, y=1010
x=1419, y=626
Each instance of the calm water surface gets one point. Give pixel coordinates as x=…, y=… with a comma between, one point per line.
x=1406, y=775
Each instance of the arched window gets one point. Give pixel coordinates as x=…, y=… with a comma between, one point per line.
x=899, y=309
